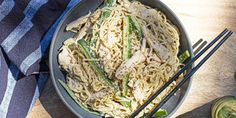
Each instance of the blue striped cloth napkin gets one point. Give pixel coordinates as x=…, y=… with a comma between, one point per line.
x=26, y=30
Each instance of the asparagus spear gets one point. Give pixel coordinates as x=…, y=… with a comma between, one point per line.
x=72, y=95
x=136, y=27
x=130, y=25
x=125, y=85
x=127, y=31
x=86, y=51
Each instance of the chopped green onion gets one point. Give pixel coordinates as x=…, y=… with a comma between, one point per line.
x=184, y=56
x=105, y=14
x=124, y=101
x=160, y=113
x=110, y=3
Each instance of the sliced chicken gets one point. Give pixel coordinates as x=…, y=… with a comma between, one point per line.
x=126, y=66
x=84, y=30
x=77, y=24
x=160, y=49
x=64, y=58
x=98, y=95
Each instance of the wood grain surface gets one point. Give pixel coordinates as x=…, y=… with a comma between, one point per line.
x=202, y=19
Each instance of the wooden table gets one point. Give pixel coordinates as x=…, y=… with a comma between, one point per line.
x=202, y=19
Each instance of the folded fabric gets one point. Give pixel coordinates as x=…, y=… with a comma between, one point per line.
x=26, y=30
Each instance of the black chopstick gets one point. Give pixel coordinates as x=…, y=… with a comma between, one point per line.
x=199, y=47
x=197, y=43
x=177, y=74
x=187, y=77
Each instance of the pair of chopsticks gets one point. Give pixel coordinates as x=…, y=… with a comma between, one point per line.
x=223, y=36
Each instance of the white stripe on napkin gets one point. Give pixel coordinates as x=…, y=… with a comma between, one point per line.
x=11, y=82
x=5, y=8
x=15, y=36
x=38, y=53
x=31, y=59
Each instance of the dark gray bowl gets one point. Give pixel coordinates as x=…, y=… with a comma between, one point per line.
x=60, y=36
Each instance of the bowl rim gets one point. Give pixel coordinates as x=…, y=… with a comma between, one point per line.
x=59, y=93
x=191, y=54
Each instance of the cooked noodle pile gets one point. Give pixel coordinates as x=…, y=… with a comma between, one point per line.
x=132, y=51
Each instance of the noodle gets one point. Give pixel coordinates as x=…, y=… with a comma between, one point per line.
x=152, y=59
